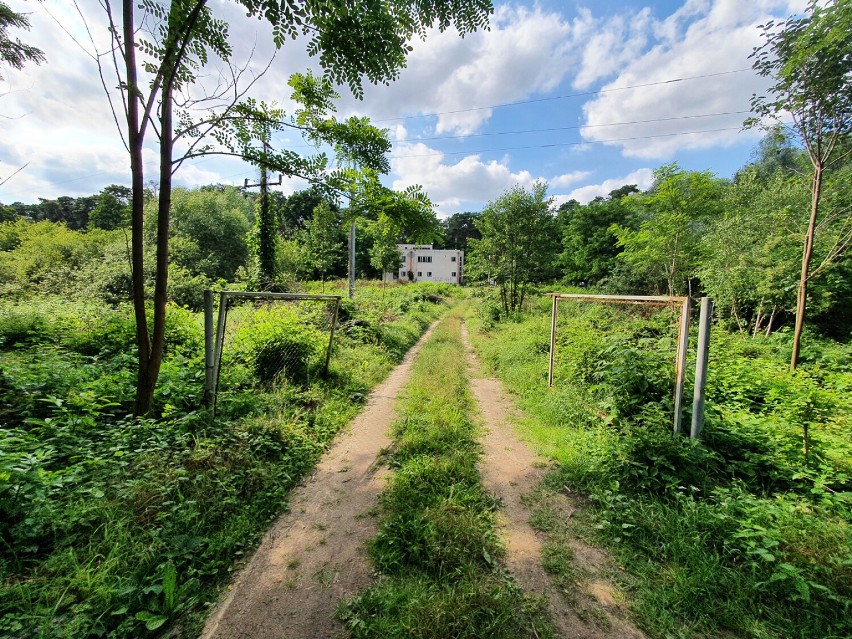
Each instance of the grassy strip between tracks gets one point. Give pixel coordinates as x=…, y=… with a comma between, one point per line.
x=437, y=553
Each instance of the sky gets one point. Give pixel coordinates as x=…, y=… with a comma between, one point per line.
x=585, y=96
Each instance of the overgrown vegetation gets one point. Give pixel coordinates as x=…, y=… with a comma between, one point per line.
x=437, y=553
x=122, y=527
x=741, y=533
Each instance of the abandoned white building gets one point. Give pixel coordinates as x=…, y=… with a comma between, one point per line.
x=422, y=263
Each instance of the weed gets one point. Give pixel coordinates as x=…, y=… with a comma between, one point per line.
x=741, y=533
x=436, y=546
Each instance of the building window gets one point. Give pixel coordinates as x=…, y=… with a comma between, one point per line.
x=419, y=274
x=454, y=273
x=427, y=259
x=402, y=273
x=428, y=273
x=453, y=259
x=395, y=276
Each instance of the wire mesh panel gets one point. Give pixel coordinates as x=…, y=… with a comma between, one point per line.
x=622, y=351
x=271, y=338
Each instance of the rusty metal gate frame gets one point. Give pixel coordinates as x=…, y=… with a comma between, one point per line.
x=643, y=300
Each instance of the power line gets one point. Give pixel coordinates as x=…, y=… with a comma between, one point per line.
x=561, y=144
x=563, y=97
x=579, y=126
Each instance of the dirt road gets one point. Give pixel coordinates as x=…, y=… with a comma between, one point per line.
x=314, y=556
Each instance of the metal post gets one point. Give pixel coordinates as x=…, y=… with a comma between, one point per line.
x=208, y=347
x=220, y=340
x=331, y=337
x=680, y=365
x=552, y=340
x=701, y=367
x=352, y=260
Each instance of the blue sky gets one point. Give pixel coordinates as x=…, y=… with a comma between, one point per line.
x=597, y=95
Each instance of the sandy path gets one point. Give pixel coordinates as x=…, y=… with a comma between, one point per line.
x=314, y=556
x=511, y=470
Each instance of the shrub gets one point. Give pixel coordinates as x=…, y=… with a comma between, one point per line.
x=278, y=342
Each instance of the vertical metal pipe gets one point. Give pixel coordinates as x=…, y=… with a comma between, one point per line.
x=331, y=336
x=220, y=340
x=704, y=323
x=208, y=347
x=552, y=340
x=680, y=365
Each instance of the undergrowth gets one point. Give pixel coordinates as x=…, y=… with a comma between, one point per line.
x=437, y=552
x=122, y=527
x=741, y=533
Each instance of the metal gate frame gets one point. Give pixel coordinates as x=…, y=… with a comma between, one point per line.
x=682, y=346
x=213, y=343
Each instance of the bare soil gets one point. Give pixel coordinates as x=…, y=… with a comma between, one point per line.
x=593, y=608
x=314, y=556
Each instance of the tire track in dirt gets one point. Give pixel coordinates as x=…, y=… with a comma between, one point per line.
x=510, y=471
x=314, y=556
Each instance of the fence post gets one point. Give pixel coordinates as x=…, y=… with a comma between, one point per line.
x=680, y=365
x=220, y=340
x=552, y=341
x=331, y=336
x=701, y=367
x=208, y=347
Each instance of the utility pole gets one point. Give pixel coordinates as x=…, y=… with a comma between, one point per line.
x=265, y=225
x=351, y=242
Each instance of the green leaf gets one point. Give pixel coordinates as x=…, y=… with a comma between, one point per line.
x=152, y=621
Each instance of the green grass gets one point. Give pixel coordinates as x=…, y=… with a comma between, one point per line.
x=740, y=535
x=437, y=552
x=117, y=527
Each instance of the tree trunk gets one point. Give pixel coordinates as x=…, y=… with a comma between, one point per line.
x=807, y=254
x=758, y=320
x=137, y=250
x=771, y=318
x=147, y=383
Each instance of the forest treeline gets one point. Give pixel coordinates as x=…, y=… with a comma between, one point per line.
x=737, y=240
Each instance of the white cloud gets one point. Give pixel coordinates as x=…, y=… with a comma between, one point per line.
x=568, y=179
x=453, y=185
x=525, y=52
x=642, y=178
x=703, y=37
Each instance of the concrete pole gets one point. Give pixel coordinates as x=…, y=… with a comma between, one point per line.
x=552, y=340
x=704, y=322
x=209, y=365
x=680, y=365
x=220, y=341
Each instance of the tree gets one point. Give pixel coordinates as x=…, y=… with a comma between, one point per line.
x=810, y=60
x=748, y=255
x=353, y=40
x=459, y=229
x=208, y=231
x=664, y=249
x=589, y=247
x=110, y=213
x=295, y=211
x=322, y=242
x=12, y=51
x=518, y=240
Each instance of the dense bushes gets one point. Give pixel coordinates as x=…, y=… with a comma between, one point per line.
x=739, y=533
x=121, y=527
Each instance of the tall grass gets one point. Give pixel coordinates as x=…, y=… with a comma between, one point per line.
x=740, y=534
x=111, y=526
x=436, y=550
